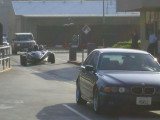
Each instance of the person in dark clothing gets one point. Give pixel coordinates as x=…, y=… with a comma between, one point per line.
x=134, y=37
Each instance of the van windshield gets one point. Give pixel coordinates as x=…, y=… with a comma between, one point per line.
x=24, y=37
x=4, y=39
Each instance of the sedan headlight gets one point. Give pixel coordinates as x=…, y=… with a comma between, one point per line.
x=114, y=89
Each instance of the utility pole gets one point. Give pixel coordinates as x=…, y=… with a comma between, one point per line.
x=103, y=23
x=103, y=12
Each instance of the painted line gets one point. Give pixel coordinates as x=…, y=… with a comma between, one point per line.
x=3, y=106
x=75, y=111
x=69, y=84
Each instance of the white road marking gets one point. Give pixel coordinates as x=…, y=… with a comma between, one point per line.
x=3, y=106
x=13, y=101
x=75, y=111
x=69, y=84
x=19, y=101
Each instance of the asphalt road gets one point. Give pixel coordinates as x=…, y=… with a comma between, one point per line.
x=47, y=92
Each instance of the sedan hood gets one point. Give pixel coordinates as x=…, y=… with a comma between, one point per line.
x=131, y=78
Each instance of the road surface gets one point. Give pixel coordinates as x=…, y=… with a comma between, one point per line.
x=47, y=92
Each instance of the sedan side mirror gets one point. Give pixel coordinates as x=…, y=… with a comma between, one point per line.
x=89, y=68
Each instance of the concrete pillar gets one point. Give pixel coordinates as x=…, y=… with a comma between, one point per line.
x=90, y=47
x=18, y=24
x=72, y=54
x=144, y=40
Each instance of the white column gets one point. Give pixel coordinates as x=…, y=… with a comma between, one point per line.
x=144, y=41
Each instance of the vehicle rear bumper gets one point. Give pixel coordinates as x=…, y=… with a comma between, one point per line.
x=127, y=101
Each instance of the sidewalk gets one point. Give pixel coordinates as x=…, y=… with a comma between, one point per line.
x=78, y=61
x=75, y=62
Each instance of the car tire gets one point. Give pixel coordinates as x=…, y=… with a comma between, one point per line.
x=51, y=58
x=23, y=60
x=79, y=99
x=96, y=102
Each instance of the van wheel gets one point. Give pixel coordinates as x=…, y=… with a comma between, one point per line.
x=23, y=60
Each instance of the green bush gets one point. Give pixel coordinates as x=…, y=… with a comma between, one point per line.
x=124, y=44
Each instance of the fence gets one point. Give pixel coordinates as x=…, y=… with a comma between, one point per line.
x=4, y=58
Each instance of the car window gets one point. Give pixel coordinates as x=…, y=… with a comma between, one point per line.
x=89, y=59
x=94, y=59
x=128, y=61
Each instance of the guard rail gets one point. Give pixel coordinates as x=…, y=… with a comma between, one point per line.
x=5, y=58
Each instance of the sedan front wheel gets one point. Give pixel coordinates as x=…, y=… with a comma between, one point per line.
x=79, y=99
x=96, y=102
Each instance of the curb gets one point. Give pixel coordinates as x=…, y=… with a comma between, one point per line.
x=6, y=70
x=75, y=62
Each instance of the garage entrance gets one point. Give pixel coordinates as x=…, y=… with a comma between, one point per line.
x=55, y=35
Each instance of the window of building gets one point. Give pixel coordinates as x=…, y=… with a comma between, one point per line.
x=152, y=23
x=1, y=1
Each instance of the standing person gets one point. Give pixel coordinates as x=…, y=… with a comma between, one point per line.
x=152, y=48
x=134, y=36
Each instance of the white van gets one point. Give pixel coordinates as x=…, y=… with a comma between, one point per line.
x=22, y=42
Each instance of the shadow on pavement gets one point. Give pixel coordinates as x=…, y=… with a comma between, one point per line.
x=57, y=112
x=60, y=112
x=60, y=74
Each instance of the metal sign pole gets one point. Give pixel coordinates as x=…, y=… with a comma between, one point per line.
x=1, y=34
x=82, y=55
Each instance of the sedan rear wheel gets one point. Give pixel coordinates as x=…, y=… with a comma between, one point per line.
x=96, y=102
x=79, y=99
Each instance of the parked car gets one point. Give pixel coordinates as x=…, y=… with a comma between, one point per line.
x=114, y=78
x=5, y=42
x=22, y=42
x=37, y=55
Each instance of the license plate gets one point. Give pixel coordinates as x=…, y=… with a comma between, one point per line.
x=143, y=100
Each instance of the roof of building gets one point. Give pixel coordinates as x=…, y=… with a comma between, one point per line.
x=67, y=8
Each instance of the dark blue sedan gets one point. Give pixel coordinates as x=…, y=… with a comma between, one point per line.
x=119, y=78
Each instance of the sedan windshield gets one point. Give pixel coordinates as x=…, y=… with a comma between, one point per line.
x=128, y=61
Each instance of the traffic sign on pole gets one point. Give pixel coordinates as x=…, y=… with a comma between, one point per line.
x=86, y=29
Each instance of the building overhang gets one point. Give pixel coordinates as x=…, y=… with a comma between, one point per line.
x=137, y=5
x=67, y=9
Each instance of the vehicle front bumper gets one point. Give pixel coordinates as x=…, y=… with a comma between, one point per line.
x=23, y=46
x=128, y=100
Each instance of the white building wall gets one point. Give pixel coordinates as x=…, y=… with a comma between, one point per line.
x=7, y=17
